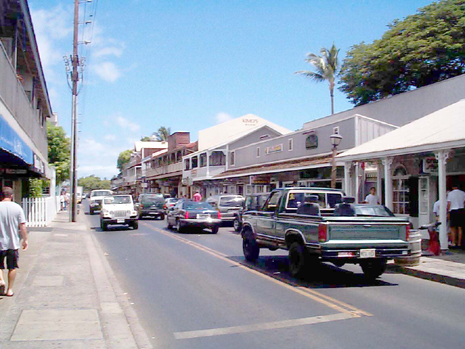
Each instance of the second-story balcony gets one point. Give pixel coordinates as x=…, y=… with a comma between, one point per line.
x=171, y=169
x=202, y=173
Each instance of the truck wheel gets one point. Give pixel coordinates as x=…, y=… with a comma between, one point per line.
x=135, y=225
x=298, y=260
x=373, y=268
x=250, y=247
x=237, y=225
x=162, y=216
x=215, y=230
x=103, y=226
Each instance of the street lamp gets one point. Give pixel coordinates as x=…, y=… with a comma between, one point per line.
x=335, y=141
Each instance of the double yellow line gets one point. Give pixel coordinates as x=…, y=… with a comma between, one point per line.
x=306, y=292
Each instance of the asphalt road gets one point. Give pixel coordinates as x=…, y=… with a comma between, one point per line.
x=195, y=290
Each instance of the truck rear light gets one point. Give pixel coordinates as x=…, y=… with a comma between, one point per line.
x=219, y=215
x=407, y=232
x=186, y=216
x=322, y=233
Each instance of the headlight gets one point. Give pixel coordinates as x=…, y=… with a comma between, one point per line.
x=134, y=213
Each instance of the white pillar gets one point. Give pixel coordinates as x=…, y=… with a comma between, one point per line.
x=442, y=158
x=347, y=185
x=387, y=162
x=357, y=182
x=379, y=174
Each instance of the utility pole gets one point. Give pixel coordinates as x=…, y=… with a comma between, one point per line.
x=74, y=79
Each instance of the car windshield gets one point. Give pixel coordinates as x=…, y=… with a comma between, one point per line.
x=231, y=201
x=373, y=211
x=118, y=200
x=101, y=193
x=192, y=205
x=152, y=199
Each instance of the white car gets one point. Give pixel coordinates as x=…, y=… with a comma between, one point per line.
x=96, y=198
x=118, y=209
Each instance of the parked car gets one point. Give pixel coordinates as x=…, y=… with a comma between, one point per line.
x=96, y=198
x=118, y=209
x=169, y=202
x=190, y=214
x=228, y=205
x=151, y=205
x=253, y=202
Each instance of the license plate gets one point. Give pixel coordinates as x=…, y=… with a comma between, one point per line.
x=120, y=220
x=203, y=216
x=368, y=253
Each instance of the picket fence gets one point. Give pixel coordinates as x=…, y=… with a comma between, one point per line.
x=40, y=212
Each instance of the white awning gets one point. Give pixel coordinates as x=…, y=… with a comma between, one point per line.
x=443, y=129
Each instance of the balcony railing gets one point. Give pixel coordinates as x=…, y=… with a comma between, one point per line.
x=150, y=172
x=15, y=98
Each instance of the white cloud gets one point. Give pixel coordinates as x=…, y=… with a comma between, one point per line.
x=109, y=137
x=109, y=51
x=223, y=117
x=126, y=124
x=108, y=71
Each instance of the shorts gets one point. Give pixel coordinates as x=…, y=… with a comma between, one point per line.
x=456, y=218
x=11, y=256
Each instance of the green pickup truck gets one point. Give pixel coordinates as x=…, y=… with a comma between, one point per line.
x=320, y=225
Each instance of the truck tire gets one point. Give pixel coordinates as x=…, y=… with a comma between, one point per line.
x=162, y=216
x=237, y=225
x=373, y=268
x=103, y=226
x=299, y=259
x=135, y=225
x=250, y=247
x=215, y=230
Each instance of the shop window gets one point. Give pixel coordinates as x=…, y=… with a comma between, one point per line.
x=290, y=143
x=203, y=159
x=195, y=162
x=187, y=166
x=217, y=158
x=400, y=191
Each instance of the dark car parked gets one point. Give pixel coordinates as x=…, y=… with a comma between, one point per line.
x=189, y=214
x=151, y=205
x=253, y=202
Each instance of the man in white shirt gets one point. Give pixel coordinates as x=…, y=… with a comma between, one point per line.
x=455, y=206
x=372, y=199
x=12, y=222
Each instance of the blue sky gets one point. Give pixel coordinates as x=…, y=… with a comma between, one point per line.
x=188, y=65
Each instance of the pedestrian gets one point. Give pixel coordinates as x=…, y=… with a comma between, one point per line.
x=372, y=199
x=62, y=200
x=13, y=233
x=67, y=199
x=455, y=207
x=197, y=196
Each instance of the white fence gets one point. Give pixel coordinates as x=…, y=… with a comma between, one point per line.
x=40, y=211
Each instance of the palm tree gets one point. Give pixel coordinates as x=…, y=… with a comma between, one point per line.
x=326, y=68
x=162, y=134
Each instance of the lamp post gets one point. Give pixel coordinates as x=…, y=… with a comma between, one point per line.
x=335, y=141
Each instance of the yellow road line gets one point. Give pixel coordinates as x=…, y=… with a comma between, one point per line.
x=316, y=296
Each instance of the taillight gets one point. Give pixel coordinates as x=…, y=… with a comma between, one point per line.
x=164, y=207
x=186, y=216
x=407, y=232
x=219, y=215
x=322, y=232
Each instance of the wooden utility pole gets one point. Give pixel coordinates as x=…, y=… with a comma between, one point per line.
x=74, y=79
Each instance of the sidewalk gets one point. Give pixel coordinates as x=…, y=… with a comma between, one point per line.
x=448, y=269
x=66, y=295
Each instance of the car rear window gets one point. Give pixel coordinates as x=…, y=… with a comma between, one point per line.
x=152, y=199
x=231, y=201
x=101, y=193
x=192, y=205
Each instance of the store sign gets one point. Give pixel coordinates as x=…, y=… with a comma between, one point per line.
x=250, y=122
x=430, y=165
x=260, y=179
x=39, y=165
x=274, y=149
x=13, y=143
x=311, y=142
x=12, y=171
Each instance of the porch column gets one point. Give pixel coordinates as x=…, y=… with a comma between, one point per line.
x=387, y=162
x=379, y=174
x=347, y=184
x=442, y=156
x=357, y=182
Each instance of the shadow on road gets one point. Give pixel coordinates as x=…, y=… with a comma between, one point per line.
x=324, y=275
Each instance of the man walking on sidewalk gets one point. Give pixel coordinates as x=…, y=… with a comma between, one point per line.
x=12, y=221
x=455, y=206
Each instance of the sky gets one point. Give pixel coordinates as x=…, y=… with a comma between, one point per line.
x=190, y=64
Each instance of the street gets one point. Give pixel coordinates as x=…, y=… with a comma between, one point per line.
x=195, y=290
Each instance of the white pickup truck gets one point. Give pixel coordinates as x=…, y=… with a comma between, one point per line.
x=96, y=198
x=118, y=209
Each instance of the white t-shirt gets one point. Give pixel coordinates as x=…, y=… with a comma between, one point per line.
x=11, y=216
x=456, y=198
x=371, y=199
x=436, y=208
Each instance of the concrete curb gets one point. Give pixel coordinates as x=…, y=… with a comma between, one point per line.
x=428, y=275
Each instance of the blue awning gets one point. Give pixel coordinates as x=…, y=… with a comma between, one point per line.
x=11, y=142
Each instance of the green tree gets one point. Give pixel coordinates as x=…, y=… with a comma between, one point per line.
x=145, y=139
x=93, y=182
x=422, y=49
x=59, y=151
x=162, y=134
x=326, y=69
x=123, y=158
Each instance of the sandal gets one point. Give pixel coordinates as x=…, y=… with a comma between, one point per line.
x=2, y=290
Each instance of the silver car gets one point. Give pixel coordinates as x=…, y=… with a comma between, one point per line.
x=229, y=205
